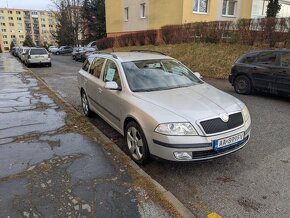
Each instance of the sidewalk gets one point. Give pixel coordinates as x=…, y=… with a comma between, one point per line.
x=50, y=162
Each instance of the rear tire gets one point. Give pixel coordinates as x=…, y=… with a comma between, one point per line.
x=85, y=104
x=137, y=143
x=243, y=85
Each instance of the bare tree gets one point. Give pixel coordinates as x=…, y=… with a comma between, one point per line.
x=68, y=16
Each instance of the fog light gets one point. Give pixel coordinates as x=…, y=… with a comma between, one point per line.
x=183, y=155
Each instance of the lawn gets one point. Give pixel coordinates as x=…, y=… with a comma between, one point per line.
x=211, y=60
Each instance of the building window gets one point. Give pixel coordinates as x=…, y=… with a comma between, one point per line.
x=43, y=25
x=1, y=11
x=3, y=24
x=19, y=25
x=12, y=31
x=10, y=12
x=13, y=36
x=10, y=18
x=200, y=6
x=3, y=30
x=4, y=36
x=5, y=42
x=229, y=7
x=143, y=10
x=20, y=31
x=126, y=14
x=19, y=18
x=43, y=19
x=1, y=18
x=11, y=24
x=51, y=26
x=21, y=37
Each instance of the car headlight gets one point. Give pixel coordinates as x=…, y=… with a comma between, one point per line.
x=176, y=129
x=246, y=114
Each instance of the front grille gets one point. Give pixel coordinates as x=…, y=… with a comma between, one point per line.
x=217, y=125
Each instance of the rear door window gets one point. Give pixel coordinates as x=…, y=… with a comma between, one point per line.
x=97, y=66
x=268, y=58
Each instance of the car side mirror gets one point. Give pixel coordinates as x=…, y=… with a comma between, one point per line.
x=197, y=74
x=112, y=85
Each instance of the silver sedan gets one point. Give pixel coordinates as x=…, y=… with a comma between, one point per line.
x=161, y=107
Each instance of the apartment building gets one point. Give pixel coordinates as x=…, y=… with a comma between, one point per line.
x=259, y=8
x=15, y=24
x=136, y=15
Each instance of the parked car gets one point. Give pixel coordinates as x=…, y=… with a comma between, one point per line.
x=38, y=56
x=83, y=55
x=265, y=70
x=14, y=51
x=161, y=107
x=76, y=51
x=22, y=52
x=52, y=49
x=64, y=50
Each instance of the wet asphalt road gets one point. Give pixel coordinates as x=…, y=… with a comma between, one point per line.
x=49, y=167
x=253, y=182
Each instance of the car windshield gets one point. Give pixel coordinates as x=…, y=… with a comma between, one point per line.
x=38, y=52
x=156, y=75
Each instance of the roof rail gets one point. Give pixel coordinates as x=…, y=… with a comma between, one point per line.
x=108, y=53
x=148, y=51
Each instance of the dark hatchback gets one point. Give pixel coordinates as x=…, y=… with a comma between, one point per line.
x=265, y=71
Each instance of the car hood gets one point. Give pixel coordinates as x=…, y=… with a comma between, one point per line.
x=193, y=103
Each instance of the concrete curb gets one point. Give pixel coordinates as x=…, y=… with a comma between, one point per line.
x=179, y=207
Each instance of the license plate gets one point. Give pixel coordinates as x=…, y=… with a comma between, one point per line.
x=227, y=142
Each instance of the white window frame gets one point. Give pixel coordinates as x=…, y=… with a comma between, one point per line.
x=198, y=7
x=227, y=8
x=126, y=14
x=143, y=10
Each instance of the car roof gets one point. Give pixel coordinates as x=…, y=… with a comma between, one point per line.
x=132, y=56
x=268, y=50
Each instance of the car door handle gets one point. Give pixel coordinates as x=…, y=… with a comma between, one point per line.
x=100, y=90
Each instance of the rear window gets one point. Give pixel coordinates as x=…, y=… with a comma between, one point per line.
x=38, y=51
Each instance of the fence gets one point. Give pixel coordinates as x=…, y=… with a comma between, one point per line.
x=264, y=31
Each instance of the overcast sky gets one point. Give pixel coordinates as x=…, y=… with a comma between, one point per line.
x=26, y=4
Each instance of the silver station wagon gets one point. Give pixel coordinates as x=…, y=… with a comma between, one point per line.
x=161, y=107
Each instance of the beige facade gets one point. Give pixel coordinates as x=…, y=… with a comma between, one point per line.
x=15, y=24
x=127, y=15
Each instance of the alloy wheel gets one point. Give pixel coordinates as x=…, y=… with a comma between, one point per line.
x=85, y=104
x=135, y=143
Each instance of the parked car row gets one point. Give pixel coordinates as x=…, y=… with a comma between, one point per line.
x=32, y=56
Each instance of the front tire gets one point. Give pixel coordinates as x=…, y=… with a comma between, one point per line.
x=137, y=143
x=85, y=105
x=243, y=85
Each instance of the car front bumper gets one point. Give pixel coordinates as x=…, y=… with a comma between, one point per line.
x=199, y=147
